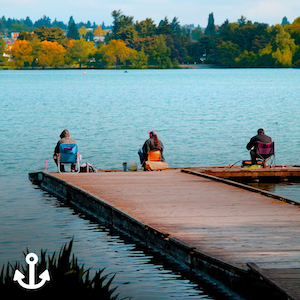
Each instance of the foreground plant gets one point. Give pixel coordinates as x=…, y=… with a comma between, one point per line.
x=66, y=276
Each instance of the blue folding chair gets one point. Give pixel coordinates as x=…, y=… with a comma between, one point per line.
x=68, y=154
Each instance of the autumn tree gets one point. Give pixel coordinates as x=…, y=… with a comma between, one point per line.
x=294, y=30
x=78, y=51
x=53, y=34
x=283, y=46
x=82, y=31
x=51, y=54
x=116, y=52
x=98, y=31
x=21, y=54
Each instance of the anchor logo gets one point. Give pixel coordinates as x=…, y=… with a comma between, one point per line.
x=31, y=260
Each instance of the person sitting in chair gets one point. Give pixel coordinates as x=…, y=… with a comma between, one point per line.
x=65, y=137
x=252, y=145
x=153, y=143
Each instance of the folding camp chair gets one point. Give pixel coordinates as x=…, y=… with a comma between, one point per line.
x=154, y=161
x=265, y=152
x=68, y=154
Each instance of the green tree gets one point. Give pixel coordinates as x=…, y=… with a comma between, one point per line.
x=145, y=28
x=265, y=58
x=123, y=28
x=285, y=21
x=283, y=46
x=164, y=27
x=294, y=30
x=175, y=27
x=28, y=22
x=196, y=34
x=206, y=49
x=72, y=30
x=160, y=53
x=78, y=51
x=2, y=50
x=211, y=28
x=246, y=59
x=45, y=21
x=242, y=21
x=53, y=34
x=226, y=53
x=138, y=60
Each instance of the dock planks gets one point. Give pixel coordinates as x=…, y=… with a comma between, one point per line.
x=276, y=173
x=232, y=224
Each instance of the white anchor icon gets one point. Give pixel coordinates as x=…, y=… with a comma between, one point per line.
x=31, y=260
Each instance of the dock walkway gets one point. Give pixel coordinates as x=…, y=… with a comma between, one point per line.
x=229, y=224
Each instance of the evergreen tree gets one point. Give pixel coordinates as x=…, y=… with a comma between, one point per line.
x=164, y=27
x=59, y=24
x=285, y=21
x=45, y=21
x=72, y=30
x=28, y=22
x=211, y=28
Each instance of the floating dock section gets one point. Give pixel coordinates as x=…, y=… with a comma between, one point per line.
x=268, y=174
x=246, y=239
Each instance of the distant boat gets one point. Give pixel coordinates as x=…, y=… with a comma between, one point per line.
x=125, y=71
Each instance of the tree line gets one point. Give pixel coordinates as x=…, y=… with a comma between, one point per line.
x=132, y=44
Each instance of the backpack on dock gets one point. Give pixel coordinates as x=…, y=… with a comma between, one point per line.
x=91, y=168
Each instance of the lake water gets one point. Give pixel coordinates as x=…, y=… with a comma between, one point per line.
x=203, y=117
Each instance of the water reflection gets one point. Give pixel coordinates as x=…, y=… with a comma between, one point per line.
x=31, y=218
x=286, y=189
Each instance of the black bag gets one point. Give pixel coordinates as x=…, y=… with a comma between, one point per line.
x=91, y=168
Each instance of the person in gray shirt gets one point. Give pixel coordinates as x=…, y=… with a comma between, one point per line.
x=252, y=145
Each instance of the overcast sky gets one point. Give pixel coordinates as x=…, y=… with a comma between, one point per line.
x=187, y=11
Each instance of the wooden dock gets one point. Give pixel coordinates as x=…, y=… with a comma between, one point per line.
x=274, y=174
x=247, y=234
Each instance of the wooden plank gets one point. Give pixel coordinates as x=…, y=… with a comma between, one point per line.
x=286, y=281
x=262, y=173
x=229, y=223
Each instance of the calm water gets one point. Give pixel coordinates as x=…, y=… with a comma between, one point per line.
x=203, y=117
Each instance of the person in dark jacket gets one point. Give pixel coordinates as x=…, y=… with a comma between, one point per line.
x=252, y=145
x=65, y=137
x=153, y=143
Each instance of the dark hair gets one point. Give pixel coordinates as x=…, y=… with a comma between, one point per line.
x=260, y=131
x=156, y=140
x=65, y=133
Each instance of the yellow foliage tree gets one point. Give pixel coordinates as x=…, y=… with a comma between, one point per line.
x=51, y=54
x=21, y=53
x=79, y=51
x=283, y=45
x=82, y=31
x=116, y=52
x=98, y=31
